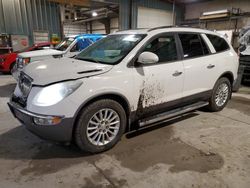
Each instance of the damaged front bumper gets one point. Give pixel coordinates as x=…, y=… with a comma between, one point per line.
x=54, y=128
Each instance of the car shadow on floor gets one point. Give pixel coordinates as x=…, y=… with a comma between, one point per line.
x=19, y=143
x=44, y=157
x=7, y=90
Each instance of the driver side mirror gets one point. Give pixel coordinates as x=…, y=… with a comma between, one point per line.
x=148, y=58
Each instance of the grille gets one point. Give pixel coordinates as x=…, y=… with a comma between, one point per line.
x=19, y=62
x=24, y=83
x=19, y=101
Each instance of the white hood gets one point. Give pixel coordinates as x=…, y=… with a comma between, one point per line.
x=47, y=52
x=56, y=70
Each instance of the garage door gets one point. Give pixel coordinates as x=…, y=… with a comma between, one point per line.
x=149, y=17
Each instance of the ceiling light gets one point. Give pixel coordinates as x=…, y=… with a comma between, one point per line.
x=94, y=14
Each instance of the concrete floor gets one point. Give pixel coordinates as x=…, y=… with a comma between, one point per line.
x=197, y=150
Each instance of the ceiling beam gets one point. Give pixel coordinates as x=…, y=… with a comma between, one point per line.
x=82, y=3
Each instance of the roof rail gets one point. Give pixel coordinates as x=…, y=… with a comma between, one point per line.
x=171, y=26
x=162, y=27
x=130, y=29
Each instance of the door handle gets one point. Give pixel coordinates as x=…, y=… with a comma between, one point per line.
x=210, y=66
x=177, y=73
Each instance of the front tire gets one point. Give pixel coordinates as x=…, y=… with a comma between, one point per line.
x=220, y=95
x=100, y=126
x=12, y=66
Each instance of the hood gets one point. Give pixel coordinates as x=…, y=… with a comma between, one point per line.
x=47, y=52
x=8, y=54
x=12, y=56
x=56, y=70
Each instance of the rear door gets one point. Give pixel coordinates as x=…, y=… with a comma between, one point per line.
x=198, y=68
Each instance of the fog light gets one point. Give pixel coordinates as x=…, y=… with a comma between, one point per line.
x=47, y=121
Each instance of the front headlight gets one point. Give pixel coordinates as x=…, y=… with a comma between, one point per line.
x=21, y=62
x=2, y=60
x=53, y=94
x=26, y=61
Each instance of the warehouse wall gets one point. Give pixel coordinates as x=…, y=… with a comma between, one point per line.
x=114, y=25
x=98, y=27
x=73, y=29
x=25, y=16
x=244, y=5
x=223, y=24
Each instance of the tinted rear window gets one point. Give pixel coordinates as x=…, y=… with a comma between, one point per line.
x=219, y=43
x=191, y=45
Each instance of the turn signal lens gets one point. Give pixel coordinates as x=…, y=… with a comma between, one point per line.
x=47, y=121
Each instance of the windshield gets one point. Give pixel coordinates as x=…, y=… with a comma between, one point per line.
x=64, y=44
x=110, y=50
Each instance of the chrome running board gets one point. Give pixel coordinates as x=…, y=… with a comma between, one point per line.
x=172, y=113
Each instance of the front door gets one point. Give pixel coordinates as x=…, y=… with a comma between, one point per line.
x=161, y=83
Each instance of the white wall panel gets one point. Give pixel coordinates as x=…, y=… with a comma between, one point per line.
x=72, y=29
x=149, y=17
x=98, y=27
x=114, y=25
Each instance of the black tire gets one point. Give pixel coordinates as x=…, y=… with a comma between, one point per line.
x=80, y=134
x=212, y=102
x=12, y=66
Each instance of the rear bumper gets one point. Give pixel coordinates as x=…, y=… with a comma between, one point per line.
x=245, y=65
x=61, y=132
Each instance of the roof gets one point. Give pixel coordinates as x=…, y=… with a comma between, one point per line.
x=42, y=44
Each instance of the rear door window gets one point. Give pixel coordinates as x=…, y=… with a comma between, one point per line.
x=219, y=43
x=191, y=45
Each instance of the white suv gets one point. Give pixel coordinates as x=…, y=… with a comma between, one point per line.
x=126, y=81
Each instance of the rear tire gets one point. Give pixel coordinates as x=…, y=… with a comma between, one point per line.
x=12, y=66
x=220, y=95
x=100, y=126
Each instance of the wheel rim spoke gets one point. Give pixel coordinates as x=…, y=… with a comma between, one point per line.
x=98, y=139
x=113, y=123
x=96, y=118
x=92, y=133
x=100, y=114
x=113, y=118
x=106, y=113
x=93, y=123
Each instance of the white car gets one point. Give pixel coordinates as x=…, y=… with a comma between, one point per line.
x=69, y=47
x=124, y=82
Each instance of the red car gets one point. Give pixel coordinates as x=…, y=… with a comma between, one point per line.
x=7, y=61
